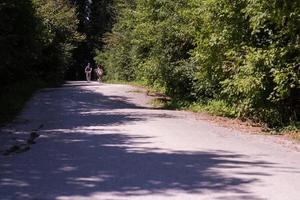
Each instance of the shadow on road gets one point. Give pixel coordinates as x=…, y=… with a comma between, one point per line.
x=82, y=164
x=68, y=163
x=77, y=108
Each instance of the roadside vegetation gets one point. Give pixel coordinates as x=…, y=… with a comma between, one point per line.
x=237, y=59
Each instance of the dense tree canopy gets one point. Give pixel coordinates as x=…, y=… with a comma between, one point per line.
x=242, y=56
x=45, y=38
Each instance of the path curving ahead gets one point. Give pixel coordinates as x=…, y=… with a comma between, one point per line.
x=104, y=142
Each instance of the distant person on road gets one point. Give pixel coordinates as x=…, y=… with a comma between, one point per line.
x=88, y=72
x=99, y=72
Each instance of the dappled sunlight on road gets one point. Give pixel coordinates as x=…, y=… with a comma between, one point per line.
x=87, y=165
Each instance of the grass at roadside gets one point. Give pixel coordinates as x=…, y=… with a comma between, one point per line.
x=292, y=131
x=138, y=84
x=220, y=108
x=14, y=97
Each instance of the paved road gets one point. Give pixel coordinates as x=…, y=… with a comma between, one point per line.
x=103, y=142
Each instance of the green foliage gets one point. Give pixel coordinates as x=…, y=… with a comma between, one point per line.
x=214, y=107
x=148, y=42
x=58, y=25
x=240, y=58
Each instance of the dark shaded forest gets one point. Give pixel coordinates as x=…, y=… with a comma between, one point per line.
x=231, y=58
x=48, y=40
x=44, y=42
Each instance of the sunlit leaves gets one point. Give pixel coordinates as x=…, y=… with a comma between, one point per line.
x=244, y=53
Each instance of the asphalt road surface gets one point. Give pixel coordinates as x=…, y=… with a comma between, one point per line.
x=104, y=142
